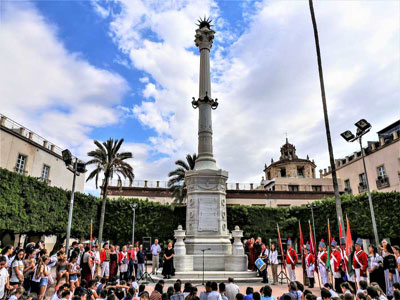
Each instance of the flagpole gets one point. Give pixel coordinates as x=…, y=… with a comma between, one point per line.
x=329, y=253
x=312, y=238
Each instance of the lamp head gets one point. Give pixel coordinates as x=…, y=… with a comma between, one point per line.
x=133, y=206
x=67, y=156
x=347, y=135
x=81, y=167
x=363, y=125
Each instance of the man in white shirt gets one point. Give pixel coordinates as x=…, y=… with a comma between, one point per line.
x=155, y=251
x=4, y=276
x=231, y=289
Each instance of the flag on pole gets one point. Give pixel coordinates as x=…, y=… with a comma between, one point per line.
x=328, y=247
x=301, y=247
x=349, y=245
x=313, y=247
x=340, y=229
x=280, y=245
x=91, y=234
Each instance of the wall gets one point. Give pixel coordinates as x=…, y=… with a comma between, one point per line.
x=12, y=144
x=388, y=155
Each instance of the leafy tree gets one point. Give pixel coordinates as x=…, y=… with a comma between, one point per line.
x=109, y=161
x=176, y=182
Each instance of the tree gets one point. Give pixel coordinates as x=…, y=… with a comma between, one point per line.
x=176, y=182
x=338, y=205
x=107, y=160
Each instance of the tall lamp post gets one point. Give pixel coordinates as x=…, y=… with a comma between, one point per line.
x=133, y=207
x=363, y=127
x=77, y=167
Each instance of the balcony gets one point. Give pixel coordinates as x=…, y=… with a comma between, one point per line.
x=382, y=182
x=348, y=191
x=362, y=187
x=45, y=180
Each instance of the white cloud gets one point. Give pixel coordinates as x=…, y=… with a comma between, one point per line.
x=48, y=89
x=267, y=82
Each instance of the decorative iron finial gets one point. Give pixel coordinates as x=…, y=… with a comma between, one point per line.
x=205, y=22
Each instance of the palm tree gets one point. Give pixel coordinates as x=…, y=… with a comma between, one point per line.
x=176, y=182
x=108, y=161
x=339, y=212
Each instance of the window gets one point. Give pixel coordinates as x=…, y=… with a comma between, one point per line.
x=269, y=175
x=283, y=205
x=293, y=188
x=363, y=179
x=283, y=172
x=21, y=162
x=45, y=172
x=381, y=171
x=347, y=187
x=317, y=188
x=300, y=171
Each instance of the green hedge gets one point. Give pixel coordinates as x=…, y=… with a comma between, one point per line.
x=30, y=206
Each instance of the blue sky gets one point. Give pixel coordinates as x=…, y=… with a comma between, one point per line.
x=74, y=71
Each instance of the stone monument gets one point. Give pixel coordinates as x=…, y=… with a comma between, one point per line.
x=206, y=220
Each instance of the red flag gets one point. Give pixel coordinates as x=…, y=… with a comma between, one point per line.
x=340, y=230
x=349, y=241
x=312, y=244
x=280, y=245
x=301, y=246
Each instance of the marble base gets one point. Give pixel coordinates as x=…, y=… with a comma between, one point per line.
x=187, y=263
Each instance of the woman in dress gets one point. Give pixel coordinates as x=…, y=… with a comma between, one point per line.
x=113, y=262
x=168, y=261
x=123, y=263
x=375, y=268
x=87, y=264
x=389, y=267
x=252, y=255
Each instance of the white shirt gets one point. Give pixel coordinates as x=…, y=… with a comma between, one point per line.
x=3, y=280
x=16, y=264
x=231, y=291
x=55, y=297
x=155, y=249
x=333, y=293
x=273, y=257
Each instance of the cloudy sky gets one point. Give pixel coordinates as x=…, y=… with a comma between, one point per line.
x=74, y=71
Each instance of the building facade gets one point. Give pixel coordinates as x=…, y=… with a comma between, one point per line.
x=293, y=174
x=382, y=160
x=25, y=152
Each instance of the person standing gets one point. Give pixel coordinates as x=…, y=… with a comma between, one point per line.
x=86, y=264
x=29, y=266
x=389, y=267
x=310, y=265
x=96, y=261
x=322, y=258
x=131, y=254
x=375, y=268
x=113, y=262
x=17, y=269
x=124, y=261
x=265, y=257
x=360, y=262
x=155, y=252
x=141, y=257
x=4, y=277
x=273, y=260
x=105, y=261
x=252, y=254
x=291, y=261
x=396, y=250
x=231, y=289
x=168, y=268
x=336, y=260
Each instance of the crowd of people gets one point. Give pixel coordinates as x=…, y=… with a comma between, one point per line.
x=83, y=268
x=112, y=273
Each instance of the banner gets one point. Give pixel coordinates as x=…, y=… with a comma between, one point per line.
x=302, y=248
x=340, y=230
x=349, y=245
x=280, y=245
x=313, y=247
x=328, y=247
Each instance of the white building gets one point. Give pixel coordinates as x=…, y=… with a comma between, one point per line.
x=24, y=152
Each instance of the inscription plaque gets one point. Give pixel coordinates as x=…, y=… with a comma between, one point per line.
x=208, y=218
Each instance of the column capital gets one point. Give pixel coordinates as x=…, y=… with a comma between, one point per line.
x=204, y=38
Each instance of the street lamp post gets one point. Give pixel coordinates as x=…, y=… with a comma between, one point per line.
x=77, y=167
x=133, y=207
x=363, y=127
